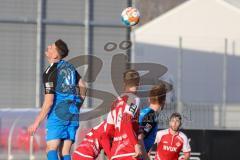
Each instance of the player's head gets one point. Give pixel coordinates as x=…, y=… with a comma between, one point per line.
x=157, y=95
x=175, y=121
x=57, y=50
x=131, y=79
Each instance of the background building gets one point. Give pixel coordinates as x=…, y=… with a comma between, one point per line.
x=198, y=42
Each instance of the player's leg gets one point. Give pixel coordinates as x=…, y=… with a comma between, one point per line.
x=52, y=147
x=65, y=150
x=68, y=141
x=54, y=134
x=60, y=149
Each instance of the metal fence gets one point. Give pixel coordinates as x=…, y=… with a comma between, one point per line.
x=28, y=26
x=202, y=71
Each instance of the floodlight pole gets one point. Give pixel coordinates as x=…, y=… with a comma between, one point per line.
x=39, y=53
x=179, y=77
x=224, y=92
x=233, y=48
x=132, y=36
x=87, y=43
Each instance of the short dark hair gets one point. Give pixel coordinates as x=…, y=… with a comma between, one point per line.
x=131, y=78
x=176, y=115
x=62, y=48
x=158, y=93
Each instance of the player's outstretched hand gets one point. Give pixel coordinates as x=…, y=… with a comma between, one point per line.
x=32, y=128
x=138, y=151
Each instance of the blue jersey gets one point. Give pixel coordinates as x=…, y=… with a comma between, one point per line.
x=61, y=79
x=148, y=126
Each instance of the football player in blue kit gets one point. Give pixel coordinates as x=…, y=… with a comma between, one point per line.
x=148, y=117
x=64, y=95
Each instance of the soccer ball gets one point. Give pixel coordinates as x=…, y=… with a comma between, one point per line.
x=130, y=16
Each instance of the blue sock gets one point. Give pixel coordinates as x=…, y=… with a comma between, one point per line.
x=66, y=157
x=52, y=155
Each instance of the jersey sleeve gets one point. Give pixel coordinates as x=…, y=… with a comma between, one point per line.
x=50, y=80
x=158, y=137
x=186, y=145
x=128, y=115
x=147, y=123
x=132, y=106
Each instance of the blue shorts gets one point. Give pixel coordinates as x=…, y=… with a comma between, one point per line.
x=63, y=132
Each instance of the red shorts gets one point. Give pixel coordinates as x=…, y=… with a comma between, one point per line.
x=85, y=151
x=78, y=156
x=125, y=158
x=122, y=149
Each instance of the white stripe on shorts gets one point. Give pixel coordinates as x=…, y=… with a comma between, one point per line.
x=122, y=155
x=82, y=154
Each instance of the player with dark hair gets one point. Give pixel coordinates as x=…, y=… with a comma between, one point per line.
x=124, y=117
x=171, y=142
x=64, y=94
x=148, y=117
